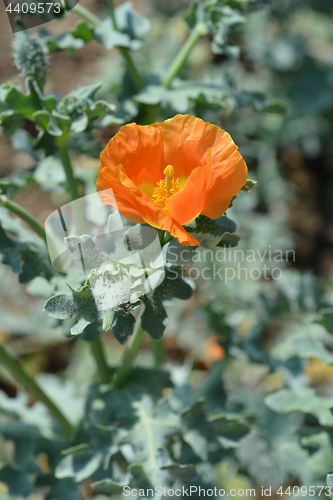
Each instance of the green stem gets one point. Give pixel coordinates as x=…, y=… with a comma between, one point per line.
x=198, y=32
x=95, y=21
x=109, y=4
x=87, y=15
x=71, y=181
x=72, y=186
x=136, y=78
x=102, y=366
x=96, y=345
x=28, y=382
x=24, y=215
x=158, y=351
x=129, y=356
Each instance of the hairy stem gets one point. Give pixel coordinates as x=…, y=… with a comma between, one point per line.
x=130, y=355
x=72, y=186
x=24, y=215
x=109, y=4
x=158, y=351
x=198, y=32
x=95, y=21
x=71, y=181
x=87, y=15
x=96, y=345
x=15, y=368
x=136, y=78
x=102, y=366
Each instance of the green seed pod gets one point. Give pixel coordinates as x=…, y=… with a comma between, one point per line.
x=30, y=57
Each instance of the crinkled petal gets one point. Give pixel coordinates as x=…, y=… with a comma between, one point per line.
x=182, y=141
x=138, y=148
x=228, y=177
x=138, y=202
x=229, y=174
x=185, y=143
x=187, y=204
x=121, y=199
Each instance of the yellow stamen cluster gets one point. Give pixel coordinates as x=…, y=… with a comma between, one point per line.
x=166, y=187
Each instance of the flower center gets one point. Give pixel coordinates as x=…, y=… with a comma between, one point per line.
x=166, y=187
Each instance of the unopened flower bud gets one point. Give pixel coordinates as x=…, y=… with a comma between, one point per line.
x=30, y=57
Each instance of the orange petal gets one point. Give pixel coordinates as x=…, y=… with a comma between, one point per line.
x=133, y=202
x=185, y=143
x=182, y=141
x=139, y=150
x=228, y=177
x=122, y=199
x=187, y=204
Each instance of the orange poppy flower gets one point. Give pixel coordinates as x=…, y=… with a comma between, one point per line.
x=168, y=173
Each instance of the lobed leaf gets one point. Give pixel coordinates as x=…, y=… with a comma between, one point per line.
x=26, y=253
x=123, y=327
x=218, y=19
x=131, y=29
x=209, y=232
x=17, y=107
x=79, y=302
x=154, y=317
x=304, y=400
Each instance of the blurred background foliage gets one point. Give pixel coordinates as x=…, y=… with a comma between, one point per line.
x=266, y=344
